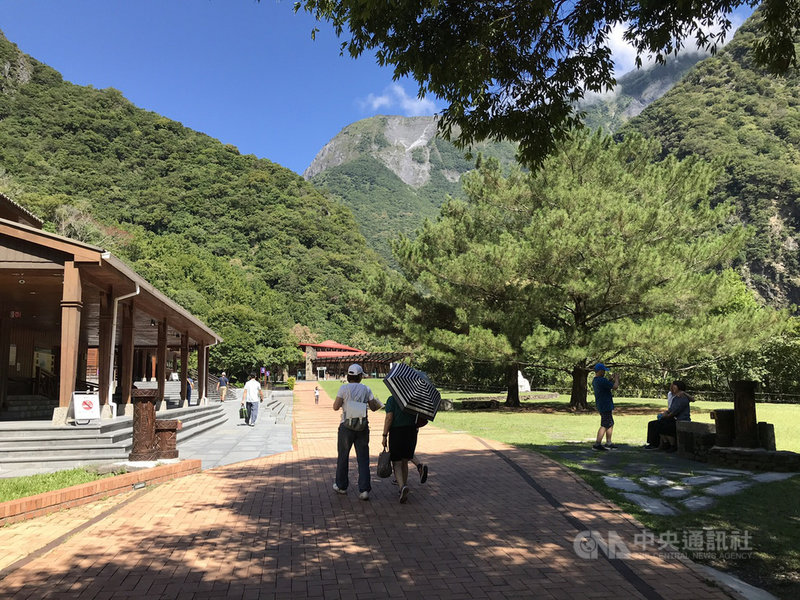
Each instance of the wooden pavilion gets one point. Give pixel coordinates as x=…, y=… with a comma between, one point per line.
x=330, y=360
x=65, y=304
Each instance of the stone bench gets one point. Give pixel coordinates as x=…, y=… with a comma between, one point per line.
x=695, y=439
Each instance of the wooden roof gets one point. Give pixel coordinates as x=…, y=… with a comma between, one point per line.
x=31, y=274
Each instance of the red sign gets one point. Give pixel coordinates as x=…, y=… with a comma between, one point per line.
x=15, y=314
x=87, y=405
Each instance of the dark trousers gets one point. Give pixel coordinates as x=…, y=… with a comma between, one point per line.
x=657, y=427
x=653, y=432
x=347, y=439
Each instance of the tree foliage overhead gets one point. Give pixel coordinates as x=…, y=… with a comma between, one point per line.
x=245, y=244
x=602, y=253
x=515, y=69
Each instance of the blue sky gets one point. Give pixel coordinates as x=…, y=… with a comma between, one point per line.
x=241, y=71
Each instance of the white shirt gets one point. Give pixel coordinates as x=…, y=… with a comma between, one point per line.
x=355, y=396
x=252, y=391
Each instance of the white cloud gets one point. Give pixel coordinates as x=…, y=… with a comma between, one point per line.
x=625, y=55
x=394, y=97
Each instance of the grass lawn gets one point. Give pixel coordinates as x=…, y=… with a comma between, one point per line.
x=20, y=487
x=771, y=511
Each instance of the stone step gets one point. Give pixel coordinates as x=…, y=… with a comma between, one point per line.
x=41, y=445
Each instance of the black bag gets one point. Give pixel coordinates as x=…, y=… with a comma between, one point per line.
x=384, y=465
x=357, y=424
x=242, y=412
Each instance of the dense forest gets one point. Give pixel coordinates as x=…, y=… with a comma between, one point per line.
x=727, y=109
x=247, y=245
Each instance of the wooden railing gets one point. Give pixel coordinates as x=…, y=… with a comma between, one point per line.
x=45, y=384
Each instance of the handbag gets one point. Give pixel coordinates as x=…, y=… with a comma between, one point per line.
x=242, y=412
x=384, y=465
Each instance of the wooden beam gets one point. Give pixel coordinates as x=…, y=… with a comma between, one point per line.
x=202, y=371
x=126, y=353
x=71, y=308
x=105, y=357
x=161, y=358
x=184, y=365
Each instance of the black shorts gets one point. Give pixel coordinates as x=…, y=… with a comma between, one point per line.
x=606, y=420
x=402, y=443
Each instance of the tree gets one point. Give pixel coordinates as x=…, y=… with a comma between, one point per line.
x=602, y=252
x=514, y=69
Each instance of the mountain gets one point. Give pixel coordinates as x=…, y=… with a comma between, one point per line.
x=244, y=243
x=729, y=110
x=394, y=172
x=634, y=92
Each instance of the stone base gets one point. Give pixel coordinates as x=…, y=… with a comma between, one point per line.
x=755, y=459
x=108, y=411
x=60, y=415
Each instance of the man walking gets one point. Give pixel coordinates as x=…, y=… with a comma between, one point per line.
x=604, y=400
x=252, y=396
x=222, y=386
x=354, y=398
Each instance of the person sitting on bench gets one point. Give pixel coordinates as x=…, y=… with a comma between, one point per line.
x=678, y=411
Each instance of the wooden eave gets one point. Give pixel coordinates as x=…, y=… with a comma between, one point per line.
x=106, y=272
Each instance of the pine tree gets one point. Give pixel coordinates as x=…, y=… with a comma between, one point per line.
x=602, y=252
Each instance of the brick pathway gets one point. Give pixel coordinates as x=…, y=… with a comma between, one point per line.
x=492, y=522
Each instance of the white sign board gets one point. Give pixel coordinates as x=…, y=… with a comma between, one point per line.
x=85, y=406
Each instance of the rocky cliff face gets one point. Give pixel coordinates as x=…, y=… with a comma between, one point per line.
x=402, y=144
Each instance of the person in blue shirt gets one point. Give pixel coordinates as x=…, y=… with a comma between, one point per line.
x=604, y=400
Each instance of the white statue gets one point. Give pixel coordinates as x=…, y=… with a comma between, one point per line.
x=523, y=384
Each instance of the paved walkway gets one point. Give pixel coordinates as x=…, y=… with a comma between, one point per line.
x=491, y=522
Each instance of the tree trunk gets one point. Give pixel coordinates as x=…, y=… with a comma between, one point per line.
x=512, y=398
x=577, y=399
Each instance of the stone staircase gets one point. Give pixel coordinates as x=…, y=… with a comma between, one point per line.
x=40, y=445
x=29, y=408
x=280, y=403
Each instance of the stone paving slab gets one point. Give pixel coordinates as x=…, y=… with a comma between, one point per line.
x=651, y=505
x=493, y=521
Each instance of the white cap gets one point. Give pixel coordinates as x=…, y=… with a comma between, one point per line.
x=355, y=370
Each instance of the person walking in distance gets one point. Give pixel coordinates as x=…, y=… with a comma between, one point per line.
x=252, y=396
x=316, y=395
x=604, y=400
x=354, y=398
x=222, y=386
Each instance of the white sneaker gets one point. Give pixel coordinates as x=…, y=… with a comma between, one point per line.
x=364, y=495
x=338, y=490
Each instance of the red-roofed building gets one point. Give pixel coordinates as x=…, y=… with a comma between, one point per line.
x=329, y=360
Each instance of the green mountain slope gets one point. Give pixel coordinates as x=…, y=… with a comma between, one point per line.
x=394, y=172
x=727, y=109
x=244, y=243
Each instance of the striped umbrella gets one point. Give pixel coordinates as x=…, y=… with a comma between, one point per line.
x=413, y=390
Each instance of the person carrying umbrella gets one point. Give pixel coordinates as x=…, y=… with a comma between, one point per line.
x=413, y=396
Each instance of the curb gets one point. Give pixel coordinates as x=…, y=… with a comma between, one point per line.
x=21, y=509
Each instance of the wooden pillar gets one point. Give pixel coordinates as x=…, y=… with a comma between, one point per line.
x=744, y=414
x=161, y=359
x=202, y=370
x=105, y=358
x=151, y=375
x=5, y=349
x=184, y=374
x=71, y=307
x=142, y=374
x=144, y=427
x=126, y=353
